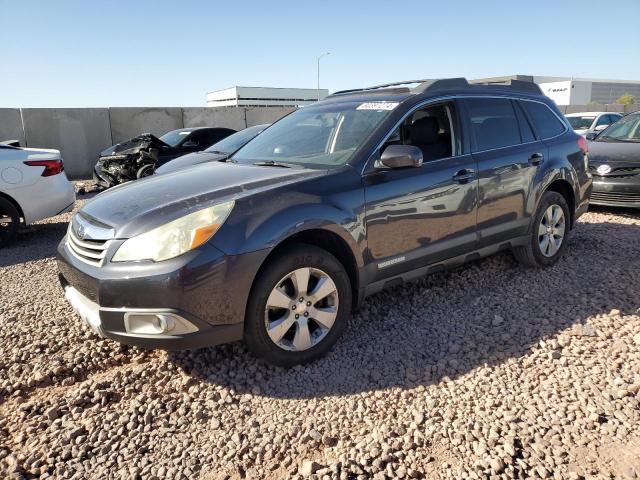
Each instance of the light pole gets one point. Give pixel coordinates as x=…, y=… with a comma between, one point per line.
x=318, y=70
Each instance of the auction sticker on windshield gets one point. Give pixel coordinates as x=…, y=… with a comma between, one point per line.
x=377, y=106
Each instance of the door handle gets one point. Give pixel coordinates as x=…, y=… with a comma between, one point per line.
x=464, y=175
x=536, y=159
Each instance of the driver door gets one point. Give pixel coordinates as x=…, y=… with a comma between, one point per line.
x=417, y=216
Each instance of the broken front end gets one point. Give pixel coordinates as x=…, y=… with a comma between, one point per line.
x=130, y=160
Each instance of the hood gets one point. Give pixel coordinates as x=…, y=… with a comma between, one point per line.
x=135, y=144
x=137, y=207
x=188, y=161
x=614, y=152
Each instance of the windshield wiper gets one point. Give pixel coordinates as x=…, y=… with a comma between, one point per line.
x=271, y=163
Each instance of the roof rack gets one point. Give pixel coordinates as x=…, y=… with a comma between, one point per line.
x=434, y=85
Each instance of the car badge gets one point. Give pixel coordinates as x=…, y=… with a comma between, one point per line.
x=80, y=231
x=604, y=169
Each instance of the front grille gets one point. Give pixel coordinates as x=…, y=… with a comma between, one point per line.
x=616, y=172
x=92, y=252
x=615, y=197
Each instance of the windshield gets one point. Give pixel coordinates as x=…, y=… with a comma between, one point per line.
x=174, y=137
x=580, y=123
x=627, y=129
x=235, y=141
x=323, y=136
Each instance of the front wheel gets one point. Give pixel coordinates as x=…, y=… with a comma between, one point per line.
x=145, y=171
x=549, y=231
x=298, y=306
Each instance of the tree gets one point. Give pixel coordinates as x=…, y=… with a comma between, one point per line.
x=626, y=99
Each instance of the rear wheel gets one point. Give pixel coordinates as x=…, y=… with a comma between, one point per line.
x=548, y=237
x=9, y=221
x=298, y=306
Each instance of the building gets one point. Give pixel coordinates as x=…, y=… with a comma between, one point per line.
x=264, y=97
x=576, y=91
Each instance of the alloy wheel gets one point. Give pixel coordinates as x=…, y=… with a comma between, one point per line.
x=551, y=230
x=301, y=309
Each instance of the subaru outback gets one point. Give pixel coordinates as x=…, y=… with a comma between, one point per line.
x=366, y=189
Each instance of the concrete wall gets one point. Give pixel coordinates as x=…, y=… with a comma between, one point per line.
x=260, y=115
x=11, y=125
x=82, y=133
x=158, y=121
x=225, y=117
x=79, y=133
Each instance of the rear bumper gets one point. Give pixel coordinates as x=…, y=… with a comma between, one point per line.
x=616, y=192
x=46, y=198
x=205, y=287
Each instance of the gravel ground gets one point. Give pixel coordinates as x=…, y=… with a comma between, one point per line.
x=487, y=371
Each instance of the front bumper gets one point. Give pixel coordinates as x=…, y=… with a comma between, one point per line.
x=205, y=287
x=616, y=191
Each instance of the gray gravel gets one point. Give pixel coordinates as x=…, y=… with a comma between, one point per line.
x=487, y=371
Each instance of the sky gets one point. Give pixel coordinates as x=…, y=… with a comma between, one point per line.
x=99, y=53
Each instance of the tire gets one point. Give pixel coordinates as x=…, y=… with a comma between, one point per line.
x=9, y=222
x=325, y=314
x=145, y=171
x=537, y=252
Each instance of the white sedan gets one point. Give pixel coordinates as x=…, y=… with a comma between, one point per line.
x=587, y=122
x=33, y=186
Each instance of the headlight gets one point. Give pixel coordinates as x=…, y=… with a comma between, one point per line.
x=175, y=238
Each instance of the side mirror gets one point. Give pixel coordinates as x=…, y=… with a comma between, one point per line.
x=401, y=156
x=599, y=128
x=591, y=136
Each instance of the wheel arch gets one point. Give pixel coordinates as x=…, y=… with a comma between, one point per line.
x=15, y=204
x=562, y=186
x=334, y=241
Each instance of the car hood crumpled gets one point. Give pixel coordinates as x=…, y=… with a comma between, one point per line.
x=139, y=206
x=134, y=145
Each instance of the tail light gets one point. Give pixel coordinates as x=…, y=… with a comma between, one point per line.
x=582, y=144
x=51, y=167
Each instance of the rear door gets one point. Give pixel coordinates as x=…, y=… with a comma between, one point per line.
x=508, y=156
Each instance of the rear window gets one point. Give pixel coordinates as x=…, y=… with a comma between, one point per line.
x=544, y=120
x=493, y=123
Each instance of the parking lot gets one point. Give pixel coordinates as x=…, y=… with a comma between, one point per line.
x=490, y=368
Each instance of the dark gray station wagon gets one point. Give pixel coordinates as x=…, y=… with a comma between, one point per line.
x=366, y=189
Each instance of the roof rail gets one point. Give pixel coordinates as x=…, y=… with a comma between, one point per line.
x=520, y=85
x=375, y=87
x=434, y=85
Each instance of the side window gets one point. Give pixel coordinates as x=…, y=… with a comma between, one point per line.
x=525, y=129
x=213, y=136
x=544, y=121
x=604, y=120
x=431, y=129
x=196, y=138
x=493, y=123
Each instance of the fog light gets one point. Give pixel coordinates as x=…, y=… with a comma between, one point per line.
x=157, y=324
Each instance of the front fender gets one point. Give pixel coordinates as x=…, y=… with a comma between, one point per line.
x=263, y=223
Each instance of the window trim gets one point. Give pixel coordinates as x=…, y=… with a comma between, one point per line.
x=445, y=98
